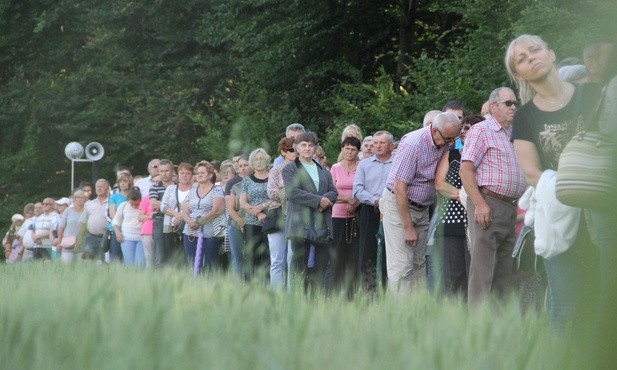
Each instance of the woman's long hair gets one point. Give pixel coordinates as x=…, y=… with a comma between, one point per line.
x=525, y=91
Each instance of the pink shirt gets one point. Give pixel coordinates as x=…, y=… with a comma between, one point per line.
x=146, y=228
x=415, y=163
x=488, y=146
x=343, y=181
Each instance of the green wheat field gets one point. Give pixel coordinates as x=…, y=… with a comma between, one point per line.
x=54, y=316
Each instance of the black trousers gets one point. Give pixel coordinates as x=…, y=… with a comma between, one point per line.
x=257, y=251
x=345, y=244
x=454, y=260
x=316, y=277
x=367, y=218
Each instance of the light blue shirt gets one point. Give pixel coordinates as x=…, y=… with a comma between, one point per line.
x=311, y=168
x=278, y=161
x=370, y=179
x=458, y=144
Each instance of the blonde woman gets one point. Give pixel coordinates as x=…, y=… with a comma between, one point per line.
x=542, y=127
x=69, y=227
x=254, y=201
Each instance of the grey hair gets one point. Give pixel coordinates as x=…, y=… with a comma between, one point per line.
x=429, y=116
x=494, y=96
x=166, y=162
x=388, y=135
x=445, y=119
x=295, y=127
x=79, y=193
x=254, y=154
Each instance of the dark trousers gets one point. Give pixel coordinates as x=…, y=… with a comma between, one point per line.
x=158, y=243
x=367, y=218
x=345, y=244
x=174, y=247
x=317, y=276
x=41, y=253
x=257, y=250
x=454, y=259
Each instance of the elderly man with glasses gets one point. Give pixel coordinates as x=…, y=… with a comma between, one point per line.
x=40, y=230
x=410, y=190
x=493, y=181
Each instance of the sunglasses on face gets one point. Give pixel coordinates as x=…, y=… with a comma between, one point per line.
x=290, y=150
x=508, y=103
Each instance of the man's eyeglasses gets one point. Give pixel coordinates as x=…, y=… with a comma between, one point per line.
x=446, y=139
x=508, y=103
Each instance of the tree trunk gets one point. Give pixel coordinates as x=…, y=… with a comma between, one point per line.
x=407, y=40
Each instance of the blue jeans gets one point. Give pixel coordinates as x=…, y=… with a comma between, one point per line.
x=133, y=252
x=205, y=257
x=236, y=245
x=572, y=282
x=115, y=251
x=602, y=226
x=278, y=259
x=190, y=247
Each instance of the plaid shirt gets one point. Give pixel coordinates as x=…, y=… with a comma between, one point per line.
x=488, y=146
x=415, y=163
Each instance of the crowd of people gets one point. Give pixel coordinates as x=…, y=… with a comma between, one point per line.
x=440, y=206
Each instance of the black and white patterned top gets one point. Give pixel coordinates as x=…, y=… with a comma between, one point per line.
x=453, y=216
x=256, y=193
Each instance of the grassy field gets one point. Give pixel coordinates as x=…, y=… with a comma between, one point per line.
x=107, y=317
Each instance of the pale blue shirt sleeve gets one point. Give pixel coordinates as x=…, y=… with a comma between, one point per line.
x=359, y=189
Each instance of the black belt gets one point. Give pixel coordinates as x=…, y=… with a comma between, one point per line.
x=497, y=196
x=411, y=202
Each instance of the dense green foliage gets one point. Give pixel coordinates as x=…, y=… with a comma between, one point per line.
x=107, y=317
x=198, y=79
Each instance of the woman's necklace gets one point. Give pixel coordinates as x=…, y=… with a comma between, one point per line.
x=556, y=102
x=350, y=232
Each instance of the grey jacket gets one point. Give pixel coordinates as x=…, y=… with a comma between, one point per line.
x=303, y=199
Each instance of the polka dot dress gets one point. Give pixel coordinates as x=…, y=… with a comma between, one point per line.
x=453, y=217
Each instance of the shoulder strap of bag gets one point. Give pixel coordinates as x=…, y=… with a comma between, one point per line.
x=595, y=116
x=177, y=199
x=123, y=208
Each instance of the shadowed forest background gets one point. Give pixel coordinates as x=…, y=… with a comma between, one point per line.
x=200, y=79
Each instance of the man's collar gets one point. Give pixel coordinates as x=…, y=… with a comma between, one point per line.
x=376, y=159
x=495, y=125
